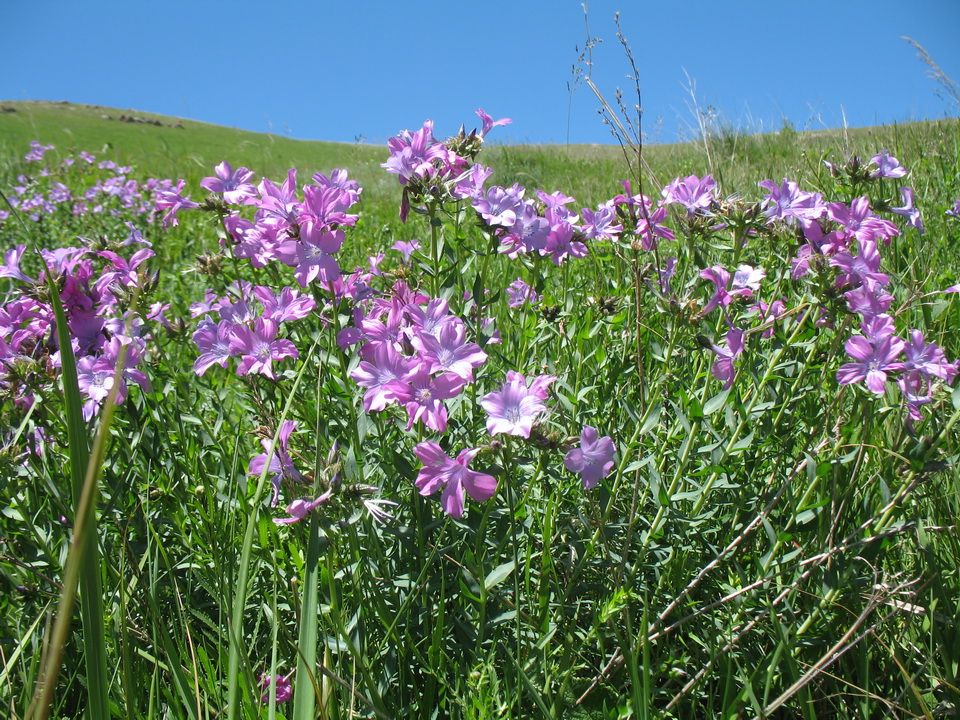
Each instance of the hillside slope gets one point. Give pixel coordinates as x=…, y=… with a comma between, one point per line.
x=168, y=146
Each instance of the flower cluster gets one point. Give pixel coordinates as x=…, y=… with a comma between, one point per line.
x=304, y=234
x=843, y=246
x=44, y=194
x=430, y=170
x=96, y=290
x=247, y=327
x=414, y=353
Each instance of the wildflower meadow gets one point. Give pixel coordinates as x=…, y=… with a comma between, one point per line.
x=439, y=440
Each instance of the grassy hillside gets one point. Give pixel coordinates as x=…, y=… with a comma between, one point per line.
x=591, y=173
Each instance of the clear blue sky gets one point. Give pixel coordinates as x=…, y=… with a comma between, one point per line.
x=342, y=70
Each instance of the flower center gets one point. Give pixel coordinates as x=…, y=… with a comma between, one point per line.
x=262, y=351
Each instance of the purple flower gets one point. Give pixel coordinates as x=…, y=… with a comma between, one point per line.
x=37, y=151
x=278, y=204
x=720, y=278
x=561, y=244
x=453, y=475
x=407, y=248
x=908, y=211
x=432, y=320
x=213, y=341
x=312, y=256
x=651, y=227
x=278, y=463
x=386, y=366
x=501, y=206
x=955, y=210
x=470, y=184
x=593, y=459
x=787, y=202
x=692, y=192
x=864, y=269
x=927, y=359
x=173, y=203
x=887, y=166
x=876, y=356
x=259, y=347
x=95, y=375
x=418, y=155
x=723, y=369
x=600, y=225
x=339, y=179
x=515, y=407
x=288, y=306
x=11, y=265
x=746, y=280
x=868, y=302
x=325, y=207
x=234, y=184
x=300, y=508
x=489, y=123
x=284, y=688
x=448, y=351
x=528, y=234
x=769, y=312
x=916, y=391
x=520, y=293
x=857, y=220
x=422, y=396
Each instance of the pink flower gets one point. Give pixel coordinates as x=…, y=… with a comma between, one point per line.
x=278, y=463
x=887, y=166
x=723, y=369
x=692, y=192
x=593, y=459
x=876, y=356
x=422, y=396
x=234, y=184
x=787, y=202
x=515, y=407
x=453, y=475
x=284, y=689
x=259, y=347
x=300, y=508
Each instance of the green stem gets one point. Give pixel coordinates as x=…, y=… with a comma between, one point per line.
x=304, y=698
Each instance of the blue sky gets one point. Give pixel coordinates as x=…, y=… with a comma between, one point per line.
x=345, y=70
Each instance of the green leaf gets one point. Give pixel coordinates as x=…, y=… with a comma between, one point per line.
x=652, y=419
x=742, y=444
x=716, y=402
x=499, y=574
